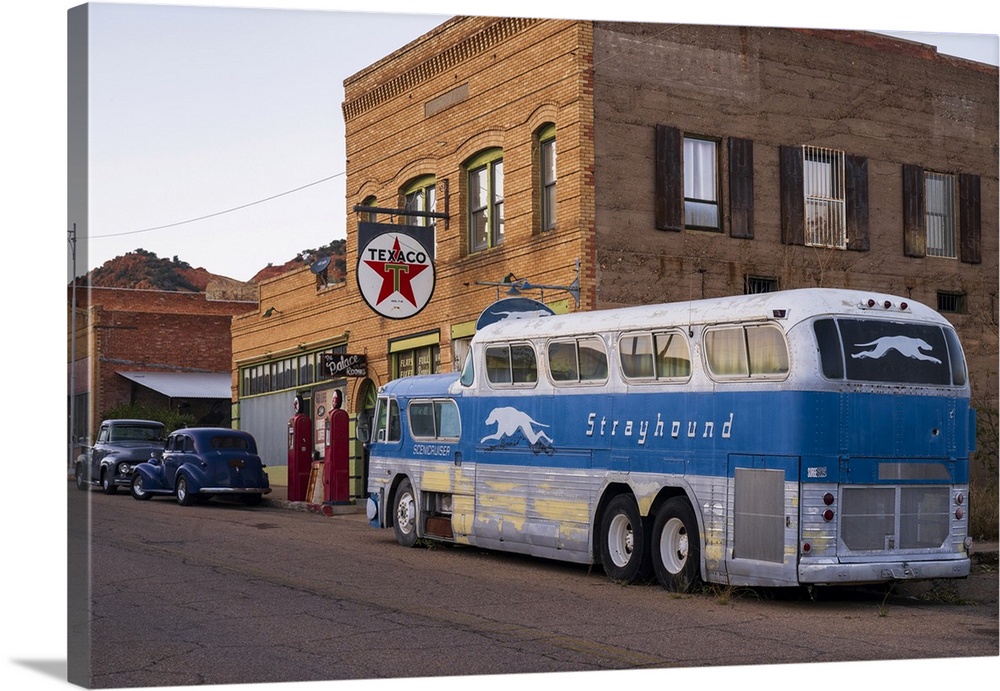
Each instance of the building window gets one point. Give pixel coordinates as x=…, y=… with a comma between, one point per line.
x=759, y=284
x=420, y=195
x=942, y=215
x=285, y=373
x=369, y=216
x=823, y=184
x=423, y=360
x=485, y=177
x=951, y=302
x=547, y=176
x=940, y=200
x=701, y=194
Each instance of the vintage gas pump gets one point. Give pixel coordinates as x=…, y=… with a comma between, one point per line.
x=336, y=462
x=299, y=452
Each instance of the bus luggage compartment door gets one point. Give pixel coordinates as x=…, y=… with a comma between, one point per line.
x=762, y=538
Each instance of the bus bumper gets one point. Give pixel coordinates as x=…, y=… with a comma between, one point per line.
x=883, y=572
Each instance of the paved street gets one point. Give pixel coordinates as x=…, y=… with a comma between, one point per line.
x=221, y=593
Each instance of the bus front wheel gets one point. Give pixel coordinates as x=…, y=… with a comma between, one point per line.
x=405, y=519
x=624, y=547
x=676, y=546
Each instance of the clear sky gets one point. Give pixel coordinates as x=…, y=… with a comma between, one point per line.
x=170, y=133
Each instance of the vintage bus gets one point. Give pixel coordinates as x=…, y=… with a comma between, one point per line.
x=804, y=437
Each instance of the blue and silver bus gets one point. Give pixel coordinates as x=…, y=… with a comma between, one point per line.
x=804, y=437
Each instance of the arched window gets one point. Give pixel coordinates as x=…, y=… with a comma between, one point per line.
x=485, y=179
x=547, y=176
x=369, y=216
x=420, y=195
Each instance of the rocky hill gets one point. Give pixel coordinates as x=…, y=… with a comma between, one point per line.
x=141, y=269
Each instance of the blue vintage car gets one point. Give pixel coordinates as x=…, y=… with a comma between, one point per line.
x=202, y=462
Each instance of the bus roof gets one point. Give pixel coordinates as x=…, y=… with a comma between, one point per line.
x=789, y=307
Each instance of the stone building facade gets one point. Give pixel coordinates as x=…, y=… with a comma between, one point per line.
x=643, y=163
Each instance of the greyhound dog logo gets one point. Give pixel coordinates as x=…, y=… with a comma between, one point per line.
x=904, y=345
x=510, y=422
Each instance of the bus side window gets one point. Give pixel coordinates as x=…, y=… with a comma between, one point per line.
x=830, y=353
x=579, y=360
x=746, y=351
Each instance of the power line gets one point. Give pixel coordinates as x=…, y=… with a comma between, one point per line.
x=220, y=213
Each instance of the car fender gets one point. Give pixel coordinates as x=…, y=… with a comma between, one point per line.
x=195, y=475
x=152, y=476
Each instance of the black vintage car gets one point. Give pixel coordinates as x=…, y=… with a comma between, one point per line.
x=120, y=446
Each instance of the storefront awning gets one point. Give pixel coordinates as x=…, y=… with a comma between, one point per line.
x=185, y=384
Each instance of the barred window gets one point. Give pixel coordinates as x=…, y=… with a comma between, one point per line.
x=823, y=184
x=940, y=200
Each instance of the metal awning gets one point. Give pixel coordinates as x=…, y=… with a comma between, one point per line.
x=185, y=384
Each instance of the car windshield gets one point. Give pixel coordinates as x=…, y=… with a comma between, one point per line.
x=136, y=433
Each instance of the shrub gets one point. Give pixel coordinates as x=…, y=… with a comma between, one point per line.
x=172, y=419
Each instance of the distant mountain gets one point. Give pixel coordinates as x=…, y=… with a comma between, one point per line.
x=141, y=269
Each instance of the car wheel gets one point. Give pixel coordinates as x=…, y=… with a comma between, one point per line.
x=405, y=523
x=185, y=497
x=135, y=488
x=81, y=481
x=676, y=546
x=107, y=484
x=624, y=547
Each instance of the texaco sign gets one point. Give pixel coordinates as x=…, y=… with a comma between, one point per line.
x=395, y=274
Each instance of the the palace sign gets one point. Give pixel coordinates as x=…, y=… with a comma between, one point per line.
x=345, y=365
x=395, y=268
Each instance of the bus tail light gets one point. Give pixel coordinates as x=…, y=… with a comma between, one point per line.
x=959, y=513
x=828, y=499
x=828, y=515
x=806, y=547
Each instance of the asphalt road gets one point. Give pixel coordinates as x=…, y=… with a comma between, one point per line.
x=224, y=594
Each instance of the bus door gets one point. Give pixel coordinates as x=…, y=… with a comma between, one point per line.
x=447, y=472
x=763, y=507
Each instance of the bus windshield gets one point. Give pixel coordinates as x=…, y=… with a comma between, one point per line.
x=892, y=352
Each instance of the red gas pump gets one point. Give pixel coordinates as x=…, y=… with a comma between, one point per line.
x=336, y=461
x=299, y=453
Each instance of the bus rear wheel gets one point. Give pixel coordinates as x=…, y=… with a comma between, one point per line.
x=405, y=515
x=624, y=547
x=676, y=546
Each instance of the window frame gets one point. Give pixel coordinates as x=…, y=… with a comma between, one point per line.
x=576, y=342
x=548, y=175
x=513, y=382
x=655, y=377
x=491, y=207
x=435, y=405
x=693, y=173
x=947, y=214
x=824, y=197
x=747, y=353
x=420, y=195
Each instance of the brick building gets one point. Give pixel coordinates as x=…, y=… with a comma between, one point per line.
x=642, y=163
x=160, y=348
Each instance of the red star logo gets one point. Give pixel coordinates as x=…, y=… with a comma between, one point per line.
x=396, y=276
